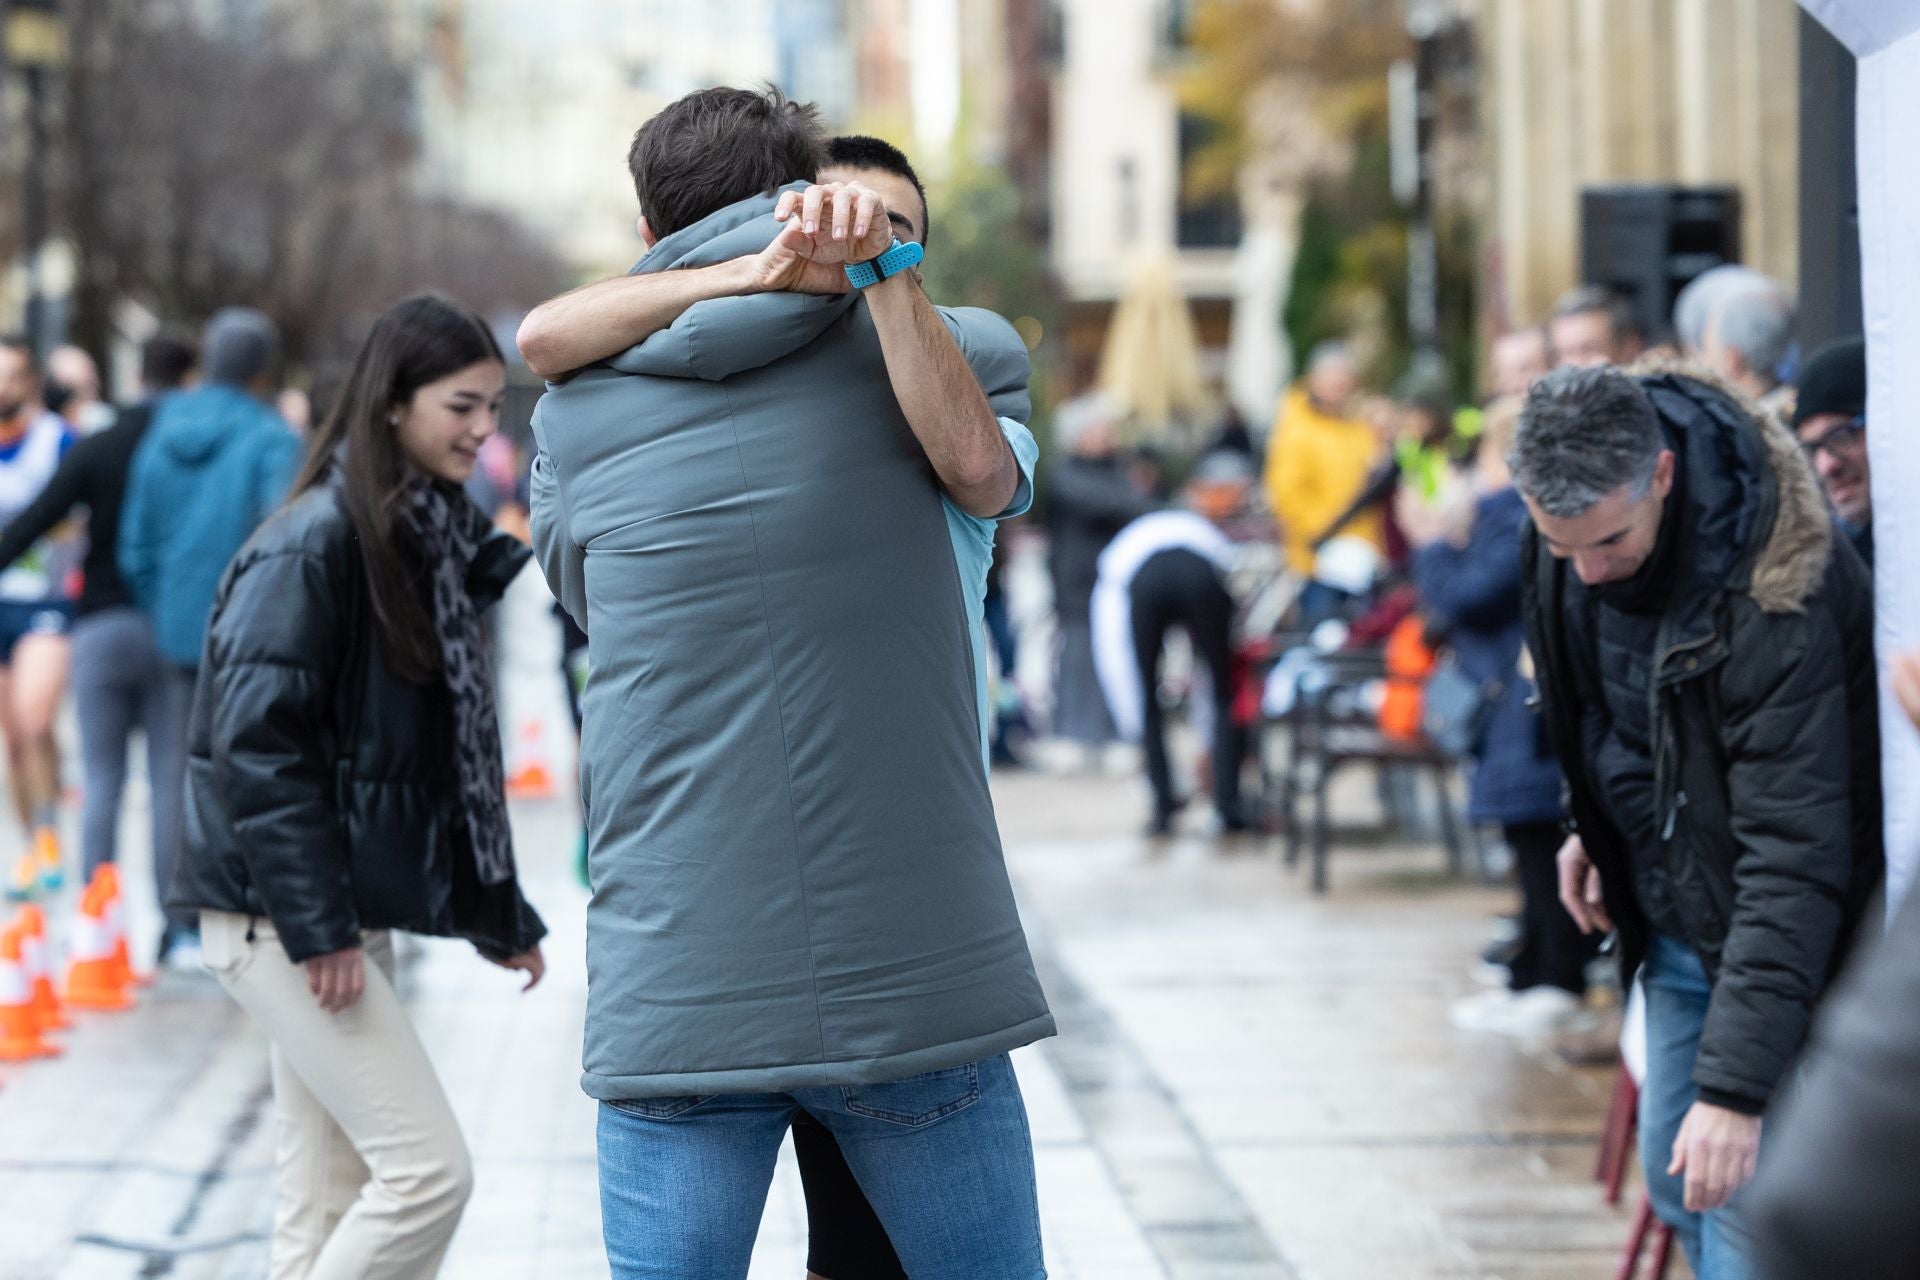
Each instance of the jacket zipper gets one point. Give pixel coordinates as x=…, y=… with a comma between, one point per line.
x=1673, y=815
x=1662, y=739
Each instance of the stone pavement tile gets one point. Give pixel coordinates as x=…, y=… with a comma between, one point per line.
x=108, y=1143
x=86, y=1263
x=1303, y=1042
x=1051, y=1113
x=1084, y=1223
x=1418, y=1212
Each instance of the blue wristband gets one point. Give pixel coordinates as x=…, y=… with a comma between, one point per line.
x=891, y=263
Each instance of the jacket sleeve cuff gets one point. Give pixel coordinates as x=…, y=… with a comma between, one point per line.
x=1741, y=1103
x=303, y=945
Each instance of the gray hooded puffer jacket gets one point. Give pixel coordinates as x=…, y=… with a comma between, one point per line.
x=797, y=876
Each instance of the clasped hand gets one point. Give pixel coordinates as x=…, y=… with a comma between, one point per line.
x=827, y=226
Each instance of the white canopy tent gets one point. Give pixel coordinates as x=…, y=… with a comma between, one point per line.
x=1885, y=36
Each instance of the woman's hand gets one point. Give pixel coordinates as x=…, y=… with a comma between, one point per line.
x=337, y=978
x=529, y=962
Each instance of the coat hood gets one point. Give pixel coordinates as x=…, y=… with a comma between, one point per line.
x=724, y=336
x=1780, y=504
x=193, y=427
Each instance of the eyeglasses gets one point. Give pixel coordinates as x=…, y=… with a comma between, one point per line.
x=1839, y=438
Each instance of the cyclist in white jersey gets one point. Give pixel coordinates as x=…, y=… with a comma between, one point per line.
x=36, y=609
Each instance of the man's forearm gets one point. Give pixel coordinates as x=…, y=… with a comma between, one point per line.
x=603, y=319
x=942, y=399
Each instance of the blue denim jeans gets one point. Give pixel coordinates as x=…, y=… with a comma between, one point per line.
x=1718, y=1243
x=946, y=1159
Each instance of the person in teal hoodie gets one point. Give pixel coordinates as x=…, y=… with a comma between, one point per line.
x=216, y=462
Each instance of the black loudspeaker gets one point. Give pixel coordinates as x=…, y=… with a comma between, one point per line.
x=1647, y=243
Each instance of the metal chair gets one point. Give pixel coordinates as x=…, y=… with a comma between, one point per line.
x=1327, y=729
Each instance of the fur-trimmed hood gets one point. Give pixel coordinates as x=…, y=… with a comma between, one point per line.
x=1785, y=572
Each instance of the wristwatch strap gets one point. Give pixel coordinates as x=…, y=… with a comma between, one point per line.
x=891, y=263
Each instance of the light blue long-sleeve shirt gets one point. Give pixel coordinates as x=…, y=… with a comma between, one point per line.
x=973, y=538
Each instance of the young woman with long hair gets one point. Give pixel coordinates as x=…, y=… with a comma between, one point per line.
x=345, y=780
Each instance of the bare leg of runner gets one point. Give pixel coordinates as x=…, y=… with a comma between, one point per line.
x=38, y=681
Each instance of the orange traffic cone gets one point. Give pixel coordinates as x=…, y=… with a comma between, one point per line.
x=93, y=976
x=116, y=917
x=32, y=922
x=20, y=1037
x=531, y=778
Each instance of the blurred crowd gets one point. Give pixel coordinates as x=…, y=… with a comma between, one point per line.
x=1686, y=591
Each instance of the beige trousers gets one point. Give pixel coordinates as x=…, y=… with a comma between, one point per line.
x=372, y=1170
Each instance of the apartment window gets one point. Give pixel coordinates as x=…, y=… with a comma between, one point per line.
x=1202, y=222
x=1128, y=205
x=1176, y=25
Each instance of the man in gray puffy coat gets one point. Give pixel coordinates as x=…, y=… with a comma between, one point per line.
x=800, y=901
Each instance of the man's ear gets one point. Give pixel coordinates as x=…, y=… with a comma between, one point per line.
x=1663, y=474
x=646, y=232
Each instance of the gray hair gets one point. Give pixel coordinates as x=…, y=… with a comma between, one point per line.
x=1598, y=297
x=1753, y=311
x=1222, y=466
x=1696, y=304
x=1329, y=352
x=1073, y=419
x=1756, y=319
x=1583, y=434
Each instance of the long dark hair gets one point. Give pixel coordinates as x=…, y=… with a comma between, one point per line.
x=421, y=340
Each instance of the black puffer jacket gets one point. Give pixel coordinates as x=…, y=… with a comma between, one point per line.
x=1764, y=731
x=320, y=785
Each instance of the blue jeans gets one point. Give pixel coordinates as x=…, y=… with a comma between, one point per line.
x=1718, y=1244
x=946, y=1159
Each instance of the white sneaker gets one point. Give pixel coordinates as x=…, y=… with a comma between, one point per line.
x=184, y=956
x=1524, y=1015
x=1487, y=1011
x=1061, y=758
x=1489, y=974
x=1503, y=929
x=1544, y=1011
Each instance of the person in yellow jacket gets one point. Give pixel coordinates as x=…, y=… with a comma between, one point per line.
x=1319, y=459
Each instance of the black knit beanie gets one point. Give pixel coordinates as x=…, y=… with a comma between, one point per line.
x=1835, y=381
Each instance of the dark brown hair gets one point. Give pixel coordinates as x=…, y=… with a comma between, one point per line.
x=716, y=147
x=861, y=151
x=418, y=341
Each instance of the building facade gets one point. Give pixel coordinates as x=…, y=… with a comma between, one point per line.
x=1119, y=145
x=531, y=106
x=1591, y=92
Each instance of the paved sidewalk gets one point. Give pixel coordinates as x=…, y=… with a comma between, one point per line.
x=1249, y=1083
x=1302, y=1046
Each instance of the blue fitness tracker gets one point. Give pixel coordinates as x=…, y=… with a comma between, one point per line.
x=890, y=263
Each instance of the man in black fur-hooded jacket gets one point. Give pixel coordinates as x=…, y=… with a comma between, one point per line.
x=1704, y=650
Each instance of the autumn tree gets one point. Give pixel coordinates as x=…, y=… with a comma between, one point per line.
x=270, y=161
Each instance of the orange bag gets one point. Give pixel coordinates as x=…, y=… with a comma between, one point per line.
x=1409, y=663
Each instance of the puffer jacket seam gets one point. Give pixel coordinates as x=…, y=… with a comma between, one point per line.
x=786, y=742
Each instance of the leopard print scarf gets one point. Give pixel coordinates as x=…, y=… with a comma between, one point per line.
x=451, y=529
